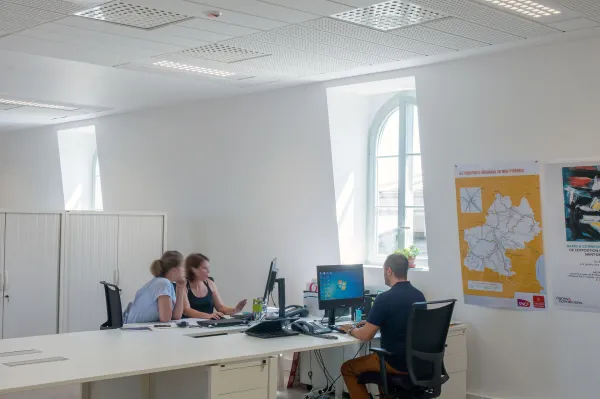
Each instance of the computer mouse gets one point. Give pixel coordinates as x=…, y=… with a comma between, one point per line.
x=183, y=324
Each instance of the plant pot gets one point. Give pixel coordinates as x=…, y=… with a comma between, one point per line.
x=411, y=263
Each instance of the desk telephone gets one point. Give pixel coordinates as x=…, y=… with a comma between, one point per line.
x=296, y=310
x=310, y=327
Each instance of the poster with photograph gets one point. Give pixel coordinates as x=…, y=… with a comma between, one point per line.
x=573, y=203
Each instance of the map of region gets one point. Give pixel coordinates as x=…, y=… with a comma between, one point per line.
x=506, y=227
x=500, y=236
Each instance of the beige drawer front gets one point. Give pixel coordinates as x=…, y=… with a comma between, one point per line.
x=456, y=363
x=242, y=379
x=253, y=394
x=456, y=344
x=241, y=365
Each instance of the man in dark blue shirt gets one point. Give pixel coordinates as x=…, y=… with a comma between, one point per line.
x=389, y=314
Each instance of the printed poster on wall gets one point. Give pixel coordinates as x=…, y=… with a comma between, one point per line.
x=576, y=274
x=500, y=233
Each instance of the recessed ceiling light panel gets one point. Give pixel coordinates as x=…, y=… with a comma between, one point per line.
x=222, y=53
x=528, y=8
x=192, y=68
x=19, y=103
x=389, y=15
x=132, y=15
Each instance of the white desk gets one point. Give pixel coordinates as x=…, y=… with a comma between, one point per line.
x=146, y=364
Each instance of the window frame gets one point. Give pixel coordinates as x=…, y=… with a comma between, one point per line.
x=95, y=166
x=402, y=103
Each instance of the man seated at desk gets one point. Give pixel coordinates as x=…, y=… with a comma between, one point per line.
x=390, y=314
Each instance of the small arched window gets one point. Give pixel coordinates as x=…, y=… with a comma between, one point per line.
x=96, y=185
x=396, y=208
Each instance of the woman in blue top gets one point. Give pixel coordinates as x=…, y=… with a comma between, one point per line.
x=159, y=299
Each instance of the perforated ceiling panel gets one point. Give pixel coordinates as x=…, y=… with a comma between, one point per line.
x=15, y=17
x=436, y=37
x=389, y=15
x=525, y=8
x=313, y=62
x=313, y=35
x=589, y=8
x=466, y=29
x=318, y=48
x=60, y=6
x=132, y=15
x=374, y=36
x=222, y=53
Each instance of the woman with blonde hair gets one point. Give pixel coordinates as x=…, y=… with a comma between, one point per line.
x=160, y=299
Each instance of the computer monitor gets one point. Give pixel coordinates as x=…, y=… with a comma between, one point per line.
x=340, y=286
x=271, y=277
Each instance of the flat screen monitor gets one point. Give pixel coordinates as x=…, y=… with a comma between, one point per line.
x=271, y=277
x=340, y=286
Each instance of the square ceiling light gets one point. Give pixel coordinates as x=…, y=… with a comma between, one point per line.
x=20, y=103
x=132, y=15
x=528, y=8
x=222, y=53
x=192, y=68
x=389, y=15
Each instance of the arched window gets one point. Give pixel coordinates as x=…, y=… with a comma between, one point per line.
x=396, y=208
x=96, y=185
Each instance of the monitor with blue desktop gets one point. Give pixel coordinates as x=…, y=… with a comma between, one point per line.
x=340, y=286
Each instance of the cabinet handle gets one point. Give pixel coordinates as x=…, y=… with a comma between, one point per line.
x=116, y=277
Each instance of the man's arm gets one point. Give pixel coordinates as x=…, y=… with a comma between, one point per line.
x=366, y=330
x=365, y=333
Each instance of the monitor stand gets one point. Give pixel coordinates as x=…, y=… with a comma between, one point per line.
x=331, y=319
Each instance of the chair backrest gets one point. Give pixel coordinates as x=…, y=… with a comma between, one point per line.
x=428, y=327
x=114, y=310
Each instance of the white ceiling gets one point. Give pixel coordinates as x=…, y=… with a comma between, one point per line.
x=49, y=54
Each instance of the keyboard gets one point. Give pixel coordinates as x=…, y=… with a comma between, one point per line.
x=275, y=334
x=221, y=323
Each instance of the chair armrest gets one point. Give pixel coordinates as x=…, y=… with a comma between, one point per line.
x=383, y=368
x=381, y=352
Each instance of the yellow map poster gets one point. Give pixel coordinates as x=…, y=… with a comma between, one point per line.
x=500, y=233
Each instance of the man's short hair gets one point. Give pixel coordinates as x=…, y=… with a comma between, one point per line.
x=399, y=265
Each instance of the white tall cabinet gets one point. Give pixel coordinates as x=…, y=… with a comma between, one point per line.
x=29, y=273
x=100, y=246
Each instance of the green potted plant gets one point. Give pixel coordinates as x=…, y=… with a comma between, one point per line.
x=410, y=253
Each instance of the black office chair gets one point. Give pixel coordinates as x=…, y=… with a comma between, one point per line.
x=427, y=331
x=114, y=310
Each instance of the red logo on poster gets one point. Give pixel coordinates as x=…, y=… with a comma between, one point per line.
x=539, y=302
x=522, y=303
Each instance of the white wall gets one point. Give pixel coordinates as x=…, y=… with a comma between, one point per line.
x=536, y=103
x=30, y=171
x=249, y=178
x=243, y=180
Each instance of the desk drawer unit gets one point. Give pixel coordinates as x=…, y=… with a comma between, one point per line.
x=250, y=379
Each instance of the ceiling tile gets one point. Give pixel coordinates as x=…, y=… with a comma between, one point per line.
x=318, y=48
x=489, y=17
x=359, y=3
x=575, y=24
x=436, y=37
x=539, y=11
x=6, y=107
x=150, y=35
x=196, y=34
x=330, y=39
x=52, y=49
x=375, y=36
x=589, y=8
x=319, y=7
x=316, y=61
x=93, y=39
x=473, y=31
x=217, y=27
x=15, y=17
x=59, y=6
x=258, y=8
